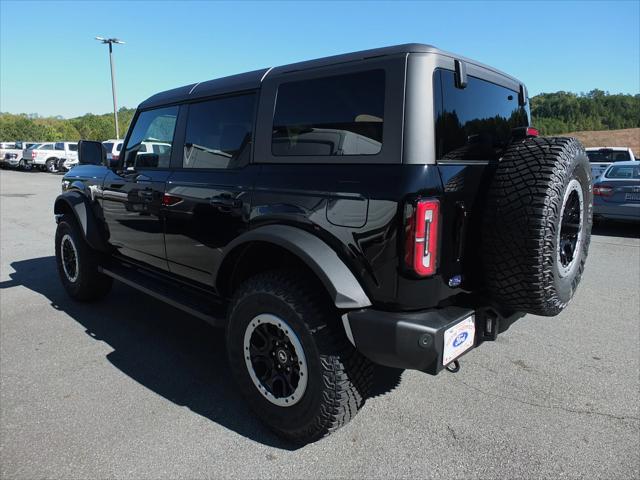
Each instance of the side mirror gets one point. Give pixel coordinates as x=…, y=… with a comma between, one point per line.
x=91, y=153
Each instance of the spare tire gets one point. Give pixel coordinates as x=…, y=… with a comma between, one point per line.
x=537, y=225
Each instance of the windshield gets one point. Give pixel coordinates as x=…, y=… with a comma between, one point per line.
x=608, y=155
x=624, y=171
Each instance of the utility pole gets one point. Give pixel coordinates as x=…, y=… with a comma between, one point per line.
x=110, y=42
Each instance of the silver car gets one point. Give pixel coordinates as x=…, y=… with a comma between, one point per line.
x=616, y=193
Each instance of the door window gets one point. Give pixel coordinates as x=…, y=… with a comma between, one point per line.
x=474, y=123
x=60, y=146
x=151, y=139
x=219, y=132
x=330, y=116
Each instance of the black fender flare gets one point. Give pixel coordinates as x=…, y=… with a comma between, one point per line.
x=85, y=215
x=343, y=287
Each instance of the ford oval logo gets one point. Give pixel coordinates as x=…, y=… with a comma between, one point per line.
x=459, y=340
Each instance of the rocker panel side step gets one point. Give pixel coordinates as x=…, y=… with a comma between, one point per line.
x=184, y=298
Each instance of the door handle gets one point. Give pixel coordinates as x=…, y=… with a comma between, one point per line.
x=227, y=202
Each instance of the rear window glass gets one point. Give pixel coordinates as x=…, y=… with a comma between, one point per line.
x=608, y=155
x=623, y=171
x=330, y=116
x=108, y=147
x=474, y=123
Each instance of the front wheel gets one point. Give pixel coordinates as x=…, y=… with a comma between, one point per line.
x=290, y=358
x=78, y=263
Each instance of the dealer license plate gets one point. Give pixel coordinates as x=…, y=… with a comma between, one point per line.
x=458, y=339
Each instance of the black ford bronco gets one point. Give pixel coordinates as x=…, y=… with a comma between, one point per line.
x=392, y=206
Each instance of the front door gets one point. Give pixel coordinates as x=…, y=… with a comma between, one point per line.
x=208, y=197
x=132, y=195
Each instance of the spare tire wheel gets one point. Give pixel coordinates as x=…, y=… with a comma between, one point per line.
x=537, y=225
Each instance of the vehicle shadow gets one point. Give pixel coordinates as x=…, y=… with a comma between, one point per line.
x=164, y=349
x=616, y=229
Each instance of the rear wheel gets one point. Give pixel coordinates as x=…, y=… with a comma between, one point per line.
x=291, y=359
x=51, y=165
x=78, y=263
x=537, y=225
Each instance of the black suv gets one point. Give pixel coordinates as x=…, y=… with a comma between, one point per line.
x=392, y=206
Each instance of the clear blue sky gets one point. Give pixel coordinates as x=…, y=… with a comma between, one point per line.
x=50, y=64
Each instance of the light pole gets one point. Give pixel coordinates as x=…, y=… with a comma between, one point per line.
x=110, y=42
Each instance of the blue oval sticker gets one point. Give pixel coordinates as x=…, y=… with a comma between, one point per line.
x=459, y=340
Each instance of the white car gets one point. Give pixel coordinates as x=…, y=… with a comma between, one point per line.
x=47, y=156
x=601, y=157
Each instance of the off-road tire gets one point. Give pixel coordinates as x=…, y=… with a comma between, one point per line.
x=522, y=220
x=339, y=377
x=88, y=284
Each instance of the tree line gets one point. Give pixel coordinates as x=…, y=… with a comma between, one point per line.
x=552, y=113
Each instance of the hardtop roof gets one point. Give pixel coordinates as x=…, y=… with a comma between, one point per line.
x=252, y=80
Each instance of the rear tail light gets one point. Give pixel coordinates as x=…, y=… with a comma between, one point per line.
x=525, y=132
x=33, y=154
x=421, y=241
x=603, y=190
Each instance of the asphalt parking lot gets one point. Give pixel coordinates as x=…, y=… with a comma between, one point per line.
x=131, y=388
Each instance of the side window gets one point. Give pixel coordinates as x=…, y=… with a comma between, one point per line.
x=219, y=132
x=73, y=147
x=59, y=146
x=151, y=139
x=46, y=146
x=330, y=116
x=474, y=123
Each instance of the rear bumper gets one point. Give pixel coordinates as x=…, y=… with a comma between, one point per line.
x=623, y=211
x=415, y=340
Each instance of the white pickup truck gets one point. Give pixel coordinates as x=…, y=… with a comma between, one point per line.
x=11, y=153
x=46, y=156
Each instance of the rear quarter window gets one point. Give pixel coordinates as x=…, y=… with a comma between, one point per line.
x=474, y=123
x=338, y=115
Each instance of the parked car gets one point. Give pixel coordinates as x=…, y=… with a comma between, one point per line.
x=333, y=214
x=11, y=156
x=601, y=157
x=5, y=155
x=46, y=156
x=617, y=193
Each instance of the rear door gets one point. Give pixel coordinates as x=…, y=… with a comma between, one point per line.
x=132, y=196
x=209, y=194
